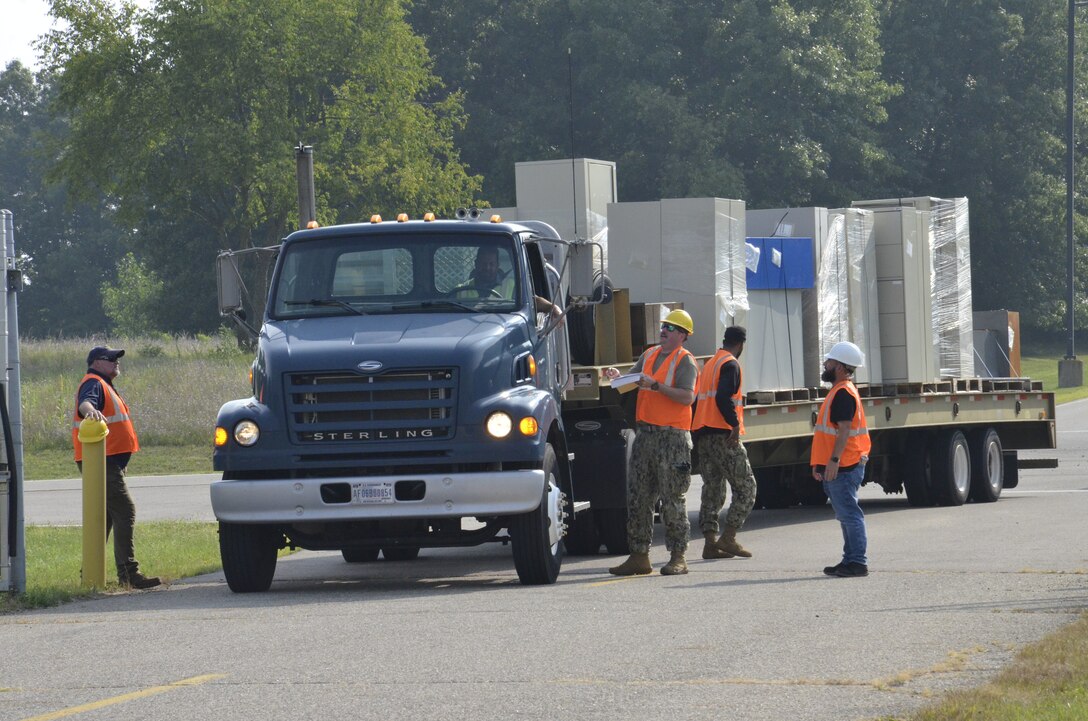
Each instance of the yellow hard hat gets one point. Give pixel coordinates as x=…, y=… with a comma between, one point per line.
x=682, y=319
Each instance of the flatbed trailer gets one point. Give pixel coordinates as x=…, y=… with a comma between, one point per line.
x=941, y=443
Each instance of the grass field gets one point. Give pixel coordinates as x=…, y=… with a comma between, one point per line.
x=174, y=387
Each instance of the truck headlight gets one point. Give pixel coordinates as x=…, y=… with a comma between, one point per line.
x=499, y=425
x=246, y=433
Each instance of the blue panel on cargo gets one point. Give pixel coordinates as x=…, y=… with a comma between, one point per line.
x=796, y=270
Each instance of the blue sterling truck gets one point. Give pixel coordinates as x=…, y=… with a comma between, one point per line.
x=406, y=393
x=413, y=387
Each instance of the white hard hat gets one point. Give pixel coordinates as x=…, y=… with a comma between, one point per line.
x=847, y=353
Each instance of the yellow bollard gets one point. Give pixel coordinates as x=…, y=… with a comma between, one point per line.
x=92, y=434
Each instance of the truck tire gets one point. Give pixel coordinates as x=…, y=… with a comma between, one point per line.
x=950, y=468
x=612, y=529
x=248, y=552
x=401, y=553
x=359, y=555
x=916, y=469
x=988, y=465
x=582, y=538
x=772, y=492
x=537, y=558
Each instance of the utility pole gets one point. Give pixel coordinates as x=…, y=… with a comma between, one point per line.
x=307, y=205
x=1070, y=369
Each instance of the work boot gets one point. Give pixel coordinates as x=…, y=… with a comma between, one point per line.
x=711, y=549
x=637, y=564
x=676, y=565
x=728, y=543
x=138, y=580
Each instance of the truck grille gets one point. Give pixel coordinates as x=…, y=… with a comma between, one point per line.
x=346, y=407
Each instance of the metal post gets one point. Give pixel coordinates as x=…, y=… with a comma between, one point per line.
x=1070, y=370
x=307, y=203
x=13, y=368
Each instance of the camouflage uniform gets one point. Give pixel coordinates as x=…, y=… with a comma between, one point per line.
x=720, y=463
x=660, y=468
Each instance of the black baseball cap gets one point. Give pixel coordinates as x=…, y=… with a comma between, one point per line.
x=101, y=351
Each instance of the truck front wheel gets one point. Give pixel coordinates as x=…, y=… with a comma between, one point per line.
x=536, y=536
x=248, y=552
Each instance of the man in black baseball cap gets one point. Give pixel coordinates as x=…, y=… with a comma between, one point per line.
x=98, y=399
x=101, y=351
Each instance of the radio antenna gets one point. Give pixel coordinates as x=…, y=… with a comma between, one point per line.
x=573, y=174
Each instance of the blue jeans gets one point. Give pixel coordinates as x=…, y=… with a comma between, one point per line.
x=843, y=492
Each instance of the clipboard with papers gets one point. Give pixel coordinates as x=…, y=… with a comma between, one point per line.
x=626, y=382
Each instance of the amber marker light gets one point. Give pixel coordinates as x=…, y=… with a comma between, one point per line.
x=220, y=436
x=375, y=218
x=528, y=426
x=428, y=217
x=496, y=218
x=313, y=224
x=402, y=217
x=532, y=366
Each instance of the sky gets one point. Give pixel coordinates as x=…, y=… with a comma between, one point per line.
x=23, y=22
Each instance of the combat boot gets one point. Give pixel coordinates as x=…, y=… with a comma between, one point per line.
x=728, y=543
x=676, y=565
x=637, y=564
x=711, y=549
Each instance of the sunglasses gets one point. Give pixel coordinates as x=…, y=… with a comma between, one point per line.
x=671, y=328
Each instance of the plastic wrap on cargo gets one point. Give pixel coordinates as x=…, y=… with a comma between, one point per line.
x=731, y=286
x=951, y=287
x=846, y=289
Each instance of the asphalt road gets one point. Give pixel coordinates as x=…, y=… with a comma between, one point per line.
x=953, y=593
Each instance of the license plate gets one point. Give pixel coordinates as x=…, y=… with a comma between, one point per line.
x=372, y=492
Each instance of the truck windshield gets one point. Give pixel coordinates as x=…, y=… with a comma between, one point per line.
x=396, y=273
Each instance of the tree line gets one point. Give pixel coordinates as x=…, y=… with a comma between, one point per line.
x=152, y=139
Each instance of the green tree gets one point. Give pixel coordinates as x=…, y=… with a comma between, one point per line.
x=981, y=116
x=185, y=116
x=131, y=301
x=773, y=102
x=66, y=248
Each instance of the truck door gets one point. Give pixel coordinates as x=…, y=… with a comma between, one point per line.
x=553, y=350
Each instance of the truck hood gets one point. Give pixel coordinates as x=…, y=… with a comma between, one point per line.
x=394, y=341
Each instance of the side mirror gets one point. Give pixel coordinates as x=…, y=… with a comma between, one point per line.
x=580, y=260
x=229, y=282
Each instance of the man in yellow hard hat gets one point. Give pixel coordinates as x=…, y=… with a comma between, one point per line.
x=661, y=455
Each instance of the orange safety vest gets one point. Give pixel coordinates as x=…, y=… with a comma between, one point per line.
x=122, y=434
x=706, y=410
x=655, y=408
x=824, y=434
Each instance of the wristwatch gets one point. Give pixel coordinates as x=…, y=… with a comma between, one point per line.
x=655, y=386
x=834, y=459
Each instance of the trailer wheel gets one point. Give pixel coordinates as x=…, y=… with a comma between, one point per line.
x=612, y=529
x=951, y=468
x=536, y=535
x=401, y=553
x=582, y=538
x=988, y=465
x=771, y=489
x=917, y=472
x=359, y=555
x=248, y=553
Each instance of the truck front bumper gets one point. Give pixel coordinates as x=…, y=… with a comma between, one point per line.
x=350, y=498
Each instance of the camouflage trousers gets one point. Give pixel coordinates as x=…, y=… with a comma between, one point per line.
x=660, y=469
x=720, y=463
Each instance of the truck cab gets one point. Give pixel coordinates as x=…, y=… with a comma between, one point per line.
x=406, y=394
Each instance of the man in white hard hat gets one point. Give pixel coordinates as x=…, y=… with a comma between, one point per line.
x=840, y=449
